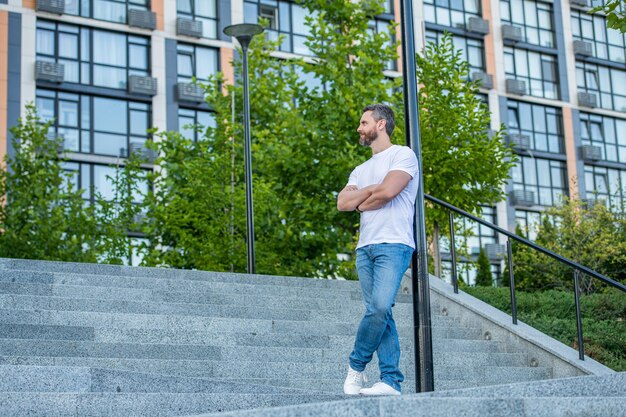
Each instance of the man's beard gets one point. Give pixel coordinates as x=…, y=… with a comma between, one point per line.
x=368, y=138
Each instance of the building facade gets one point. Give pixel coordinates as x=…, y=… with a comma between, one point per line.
x=107, y=70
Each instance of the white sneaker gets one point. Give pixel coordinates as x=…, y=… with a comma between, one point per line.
x=380, y=388
x=354, y=382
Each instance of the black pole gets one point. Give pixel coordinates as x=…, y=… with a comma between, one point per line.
x=248, y=163
x=579, y=320
x=424, y=377
x=455, y=277
x=245, y=41
x=509, y=251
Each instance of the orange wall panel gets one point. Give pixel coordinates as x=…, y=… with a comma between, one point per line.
x=4, y=77
x=570, y=152
x=30, y=4
x=157, y=7
x=490, y=55
x=226, y=65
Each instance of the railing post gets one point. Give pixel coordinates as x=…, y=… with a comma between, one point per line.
x=579, y=320
x=455, y=278
x=509, y=251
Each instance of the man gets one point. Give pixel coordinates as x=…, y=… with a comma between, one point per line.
x=383, y=190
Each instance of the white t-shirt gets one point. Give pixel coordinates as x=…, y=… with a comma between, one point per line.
x=393, y=222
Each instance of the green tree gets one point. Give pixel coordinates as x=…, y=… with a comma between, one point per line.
x=615, y=16
x=42, y=215
x=121, y=213
x=304, y=145
x=484, y=278
x=591, y=236
x=464, y=164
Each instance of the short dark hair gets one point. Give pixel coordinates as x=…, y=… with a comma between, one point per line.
x=382, y=111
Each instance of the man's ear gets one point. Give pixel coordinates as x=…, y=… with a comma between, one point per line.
x=383, y=124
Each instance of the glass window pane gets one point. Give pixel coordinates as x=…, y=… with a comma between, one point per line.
x=109, y=48
x=110, y=115
x=45, y=42
x=138, y=55
x=110, y=144
x=206, y=63
x=102, y=181
x=109, y=10
x=206, y=8
x=109, y=77
x=138, y=123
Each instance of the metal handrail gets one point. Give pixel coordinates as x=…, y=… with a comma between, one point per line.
x=548, y=252
x=577, y=267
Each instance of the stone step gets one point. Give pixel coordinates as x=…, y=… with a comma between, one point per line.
x=27, y=266
x=421, y=406
x=31, y=302
x=143, y=404
x=25, y=378
x=252, y=370
x=290, y=287
x=191, y=337
x=197, y=323
x=353, y=303
x=72, y=348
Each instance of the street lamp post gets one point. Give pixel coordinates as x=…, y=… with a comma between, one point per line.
x=424, y=378
x=244, y=33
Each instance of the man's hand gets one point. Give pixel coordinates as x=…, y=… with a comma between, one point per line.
x=381, y=194
x=351, y=196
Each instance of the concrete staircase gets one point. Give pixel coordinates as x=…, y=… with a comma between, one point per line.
x=101, y=340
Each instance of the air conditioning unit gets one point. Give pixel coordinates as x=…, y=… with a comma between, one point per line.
x=583, y=48
x=522, y=198
x=486, y=80
x=189, y=27
x=587, y=99
x=49, y=71
x=139, y=148
x=478, y=25
x=518, y=141
x=495, y=251
x=514, y=86
x=51, y=6
x=512, y=34
x=138, y=84
x=590, y=153
x=189, y=92
x=580, y=3
x=142, y=19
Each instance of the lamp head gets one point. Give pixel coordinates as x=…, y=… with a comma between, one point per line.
x=244, y=32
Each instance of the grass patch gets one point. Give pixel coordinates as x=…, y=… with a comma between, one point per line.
x=554, y=312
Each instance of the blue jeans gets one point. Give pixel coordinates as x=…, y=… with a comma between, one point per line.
x=380, y=268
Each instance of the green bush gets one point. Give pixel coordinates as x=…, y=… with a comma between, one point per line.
x=554, y=313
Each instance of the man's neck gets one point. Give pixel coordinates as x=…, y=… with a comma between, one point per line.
x=380, y=144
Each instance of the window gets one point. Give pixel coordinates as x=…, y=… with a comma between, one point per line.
x=91, y=56
x=544, y=125
x=603, y=131
x=529, y=222
x=546, y=178
x=453, y=13
x=606, y=184
x=533, y=17
x=109, y=10
x=379, y=25
x=196, y=61
x=95, y=125
x=204, y=11
x=538, y=70
x=607, y=43
x=193, y=124
x=472, y=50
x=285, y=18
x=609, y=84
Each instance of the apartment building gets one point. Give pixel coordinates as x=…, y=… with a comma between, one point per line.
x=107, y=70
